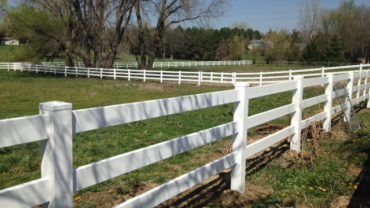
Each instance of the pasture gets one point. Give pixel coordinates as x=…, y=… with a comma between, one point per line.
x=22, y=92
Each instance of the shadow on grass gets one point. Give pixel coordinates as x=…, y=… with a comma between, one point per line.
x=361, y=197
x=211, y=190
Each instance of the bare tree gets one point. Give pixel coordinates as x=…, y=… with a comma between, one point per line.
x=93, y=30
x=310, y=19
x=166, y=13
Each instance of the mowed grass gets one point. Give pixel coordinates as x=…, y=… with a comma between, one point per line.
x=22, y=93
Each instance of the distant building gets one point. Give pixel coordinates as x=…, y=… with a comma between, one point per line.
x=254, y=44
x=10, y=41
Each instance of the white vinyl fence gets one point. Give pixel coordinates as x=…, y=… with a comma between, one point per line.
x=199, y=77
x=57, y=123
x=169, y=64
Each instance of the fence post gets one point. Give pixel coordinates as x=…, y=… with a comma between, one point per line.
x=222, y=77
x=56, y=153
x=8, y=66
x=199, y=77
x=350, y=92
x=179, y=77
x=365, y=83
x=144, y=75
x=65, y=71
x=129, y=75
x=101, y=73
x=295, y=143
x=260, y=79
x=367, y=88
x=114, y=74
x=322, y=73
x=290, y=75
x=329, y=102
x=37, y=70
x=211, y=77
x=76, y=73
x=234, y=77
x=88, y=72
x=240, y=139
x=359, y=83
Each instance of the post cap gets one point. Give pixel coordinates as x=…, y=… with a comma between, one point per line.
x=241, y=84
x=55, y=106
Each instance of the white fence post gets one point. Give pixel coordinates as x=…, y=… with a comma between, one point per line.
x=129, y=75
x=161, y=76
x=261, y=79
x=350, y=93
x=37, y=71
x=211, y=77
x=144, y=75
x=8, y=66
x=76, y=73
x=101, y=73
x=234, y=78
x=114, y=74
x=367, y=91
x=359, y=82
x=222, y=77
x=365, y=84
x=290, y=75
x=199, y=78
x=329, y=103
x=56, y=152
x=88, y=72
x=65, y=71
x=322, y=71
x=295, y=143
x=240, y=139
x=179, y=77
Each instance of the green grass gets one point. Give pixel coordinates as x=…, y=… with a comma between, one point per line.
x=22, y=92
x=318, y=182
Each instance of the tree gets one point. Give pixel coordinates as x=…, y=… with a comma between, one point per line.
x=166, y=13
x=335, y=50
x=237, y=48
x=277, y=46
x=92, y=30
x=222, y=52
x=38, y=28
x=310, y=19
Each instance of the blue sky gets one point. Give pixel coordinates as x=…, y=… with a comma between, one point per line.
x=266, y=14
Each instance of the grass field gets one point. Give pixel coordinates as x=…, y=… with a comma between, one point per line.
x=22, y=92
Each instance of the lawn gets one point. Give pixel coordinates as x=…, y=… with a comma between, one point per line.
x=22, y=92
x=332, y=171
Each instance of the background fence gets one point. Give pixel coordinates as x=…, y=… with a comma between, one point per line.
x=199, y=77
x=57, y=123
x=168, y=64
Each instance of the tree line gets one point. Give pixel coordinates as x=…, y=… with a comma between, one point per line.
x=97, y=32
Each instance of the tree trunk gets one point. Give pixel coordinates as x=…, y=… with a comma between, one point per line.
x=142, y=64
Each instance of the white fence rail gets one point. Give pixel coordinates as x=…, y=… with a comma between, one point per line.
x=57, y=123
x=199, y=77
x=169, y=64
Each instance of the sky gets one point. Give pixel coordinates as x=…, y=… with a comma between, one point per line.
x=265, y=14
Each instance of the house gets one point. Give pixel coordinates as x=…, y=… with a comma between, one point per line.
x=9, y=41
x=254, y=44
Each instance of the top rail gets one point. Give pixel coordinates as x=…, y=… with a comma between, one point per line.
x=94, y=118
